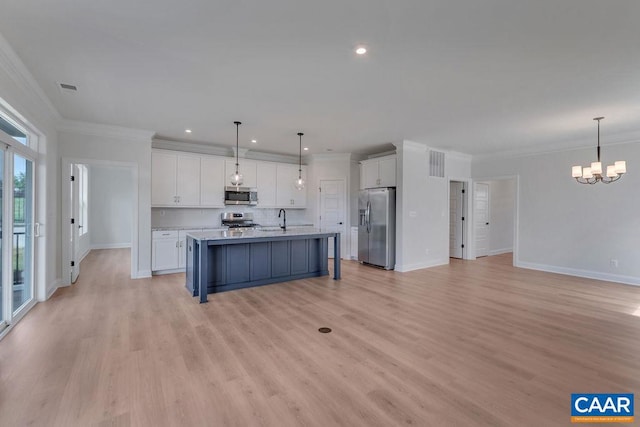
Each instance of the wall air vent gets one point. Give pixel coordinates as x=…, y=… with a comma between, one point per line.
x=436, y=163
x=67, y=88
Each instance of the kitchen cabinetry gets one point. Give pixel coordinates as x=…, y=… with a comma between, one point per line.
x=246, y=167
x=169, y=249
x=212, y=181
x=378, y=172
x=175, y=179
x=287, y=195
x=164, y=250
x=266, y=173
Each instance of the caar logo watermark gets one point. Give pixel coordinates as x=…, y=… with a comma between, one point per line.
x=601, y=408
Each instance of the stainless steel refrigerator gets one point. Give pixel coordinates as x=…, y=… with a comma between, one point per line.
x=377, y=227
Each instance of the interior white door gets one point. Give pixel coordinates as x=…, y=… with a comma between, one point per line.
x=75, y=214
x=481, y=218
x=333, y=210
x=456, y=221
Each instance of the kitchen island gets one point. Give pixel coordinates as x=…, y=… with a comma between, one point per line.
x=220, y=261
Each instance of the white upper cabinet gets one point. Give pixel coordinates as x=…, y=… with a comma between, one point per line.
x=288, y=196
x=197, y=180
x=175, y=179
x=379, y=172
x=212, y=181
x=246, y=167
x=163, y=178
x=188, y=180
x=267, y=184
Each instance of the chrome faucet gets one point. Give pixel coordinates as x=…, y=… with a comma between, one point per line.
x=284, y=222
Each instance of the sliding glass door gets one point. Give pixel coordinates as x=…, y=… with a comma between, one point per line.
x=22, y=241
x=17, y=168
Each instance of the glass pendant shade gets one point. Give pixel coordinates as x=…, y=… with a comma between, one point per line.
x=596, y=168
x=299, y=184
x=576, y=171
x=586, y=173
x=620, y=167
x=611, y=171
x=236, y=177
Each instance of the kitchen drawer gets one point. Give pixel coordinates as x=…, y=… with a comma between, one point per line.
x=164, y=234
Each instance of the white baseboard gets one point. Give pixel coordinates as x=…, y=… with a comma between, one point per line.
x=110, y=245
x=171, y=271
x=143, y=274
x=500, y=251
x=588, y=274
x=52, y=288
x=419, y=266
x=84, y=254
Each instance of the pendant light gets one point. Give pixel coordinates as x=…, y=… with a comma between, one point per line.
x=594, y=173
x=236, y=178
x=300, y=182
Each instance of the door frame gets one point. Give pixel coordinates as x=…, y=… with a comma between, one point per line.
x=66, y=214
x=516, y=212
x=344, y=248
x=467, y=228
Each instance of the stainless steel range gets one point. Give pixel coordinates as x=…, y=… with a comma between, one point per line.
x=242, y=220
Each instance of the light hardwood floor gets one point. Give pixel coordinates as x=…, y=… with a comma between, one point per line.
x=472, y=343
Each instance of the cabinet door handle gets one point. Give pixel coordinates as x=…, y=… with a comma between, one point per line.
x=176, y=244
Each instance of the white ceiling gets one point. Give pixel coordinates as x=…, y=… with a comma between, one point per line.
x=477, y=76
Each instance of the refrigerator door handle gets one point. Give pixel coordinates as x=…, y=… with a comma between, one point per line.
x=368, y=217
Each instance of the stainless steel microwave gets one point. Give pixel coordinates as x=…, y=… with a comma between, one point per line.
x=240, y=196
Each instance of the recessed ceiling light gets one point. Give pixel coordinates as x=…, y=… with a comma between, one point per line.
x=361, y=50
x=306, y=148
x=187, y=130
x=255, y=141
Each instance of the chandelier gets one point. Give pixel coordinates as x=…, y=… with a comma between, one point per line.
x=593, y=174
x=300, y=182
x=236, y=177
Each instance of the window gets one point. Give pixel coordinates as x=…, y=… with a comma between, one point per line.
x=83, y=199
x=13, y=131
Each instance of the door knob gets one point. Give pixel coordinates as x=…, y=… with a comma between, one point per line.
x=340, y=223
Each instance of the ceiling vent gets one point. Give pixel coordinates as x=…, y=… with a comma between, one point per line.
x=436, y=164
x=67, y=88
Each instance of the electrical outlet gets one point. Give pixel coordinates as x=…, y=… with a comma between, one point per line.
x=613, y=263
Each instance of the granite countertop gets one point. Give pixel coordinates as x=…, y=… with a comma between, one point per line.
x=182, y=227
x=252, y=234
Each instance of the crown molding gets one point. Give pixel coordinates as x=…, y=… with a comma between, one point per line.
x=407, y=145
x=329, y=157
x=109, y=131
x=13, y=66
x=224, y=151
x=618, y=139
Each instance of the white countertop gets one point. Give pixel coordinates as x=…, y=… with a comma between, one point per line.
x=252, y=234
x=183, y=227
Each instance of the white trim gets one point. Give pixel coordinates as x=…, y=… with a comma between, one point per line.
x=109, y=246
x=421, y=265
x=500, y=251
x=65, y=216
x=170, y=271
x=52, y=288
x=469, y=251
x=588, y=274
x=22, y=77
x=27, y=308
x=84, y=254
x=143, y=274
x=108, y=131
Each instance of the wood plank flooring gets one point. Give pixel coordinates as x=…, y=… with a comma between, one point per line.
x=472, y=343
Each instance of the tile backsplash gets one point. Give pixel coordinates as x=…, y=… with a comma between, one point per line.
x=180, y=217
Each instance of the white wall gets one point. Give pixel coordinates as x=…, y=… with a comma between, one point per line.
x=98, y=144
x=502, y=199
x=422, y=207
x=572, y=228
x=110, y=207
x=19, y=90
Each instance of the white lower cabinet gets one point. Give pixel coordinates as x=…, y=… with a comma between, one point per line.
x=164, y=250
x=169, y=249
